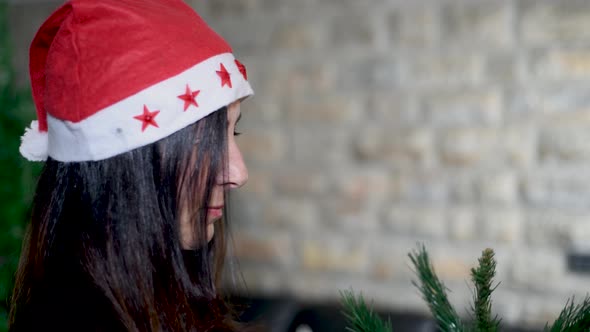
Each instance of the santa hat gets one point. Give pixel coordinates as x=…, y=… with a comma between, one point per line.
x=110, y=76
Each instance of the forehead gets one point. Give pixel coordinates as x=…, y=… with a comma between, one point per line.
x=233, y=111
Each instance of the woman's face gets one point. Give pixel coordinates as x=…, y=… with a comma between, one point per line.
x=237, y=175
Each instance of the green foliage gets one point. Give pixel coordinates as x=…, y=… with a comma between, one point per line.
x=434, y=292
x=16, y=179
x=482, y=278
x=573, y=318
x=360, y=316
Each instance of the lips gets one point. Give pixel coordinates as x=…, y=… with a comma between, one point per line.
x=215, y=212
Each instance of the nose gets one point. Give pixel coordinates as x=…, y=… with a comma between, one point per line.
x=237, y=171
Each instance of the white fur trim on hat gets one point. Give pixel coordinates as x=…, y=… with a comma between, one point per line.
x=116, y=129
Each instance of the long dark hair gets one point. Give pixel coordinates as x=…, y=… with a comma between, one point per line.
x=103, y=250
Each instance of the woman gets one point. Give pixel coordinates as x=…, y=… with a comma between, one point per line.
x=137, y=105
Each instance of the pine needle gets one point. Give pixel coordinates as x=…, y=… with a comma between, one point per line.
x=482, y=277
x=573, y=318
x=360, y=316
x=434, y=292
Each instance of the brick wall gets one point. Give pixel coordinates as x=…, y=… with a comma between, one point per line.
x=378, y=124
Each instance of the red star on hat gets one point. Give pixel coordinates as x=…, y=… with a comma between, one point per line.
x=189, y=97
x=225, y=76
x=242, y=69
x=147, y=118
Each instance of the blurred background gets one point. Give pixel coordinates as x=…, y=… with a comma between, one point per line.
x=378, y=124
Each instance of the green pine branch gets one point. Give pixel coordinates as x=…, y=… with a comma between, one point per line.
x=434, y=292
x=573, y=318
x=482, y=278
x=360, y=316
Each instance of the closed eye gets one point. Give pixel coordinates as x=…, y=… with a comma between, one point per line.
x=237, y=121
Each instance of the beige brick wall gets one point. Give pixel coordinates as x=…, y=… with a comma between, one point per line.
x=378, y=124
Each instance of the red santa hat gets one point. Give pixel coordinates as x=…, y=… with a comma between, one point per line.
x=110, y=76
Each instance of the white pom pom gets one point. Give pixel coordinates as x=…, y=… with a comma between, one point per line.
x=34, y=143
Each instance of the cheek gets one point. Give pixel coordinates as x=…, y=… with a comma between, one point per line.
x=187, y=239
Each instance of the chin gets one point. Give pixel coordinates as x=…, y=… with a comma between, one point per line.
x=210, y=232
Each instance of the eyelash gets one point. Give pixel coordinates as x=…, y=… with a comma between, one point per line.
x=237, y=134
